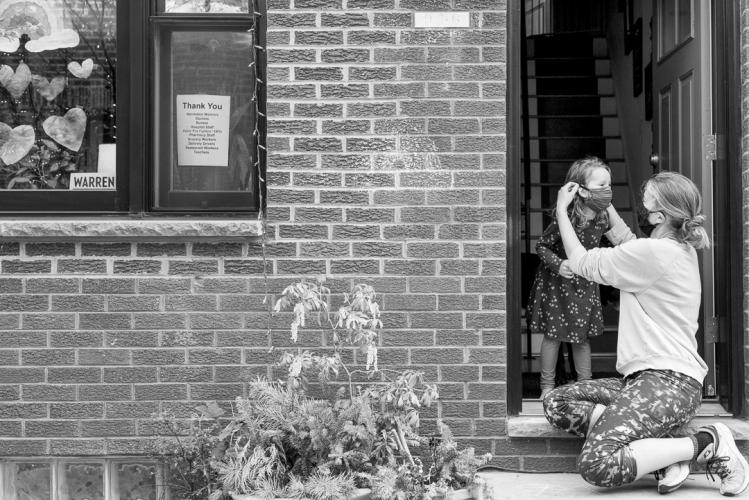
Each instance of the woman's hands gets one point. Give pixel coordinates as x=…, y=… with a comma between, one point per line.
x=566, y=195
x=565, y=270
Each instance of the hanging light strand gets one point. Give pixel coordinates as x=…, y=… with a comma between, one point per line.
x=257, y=52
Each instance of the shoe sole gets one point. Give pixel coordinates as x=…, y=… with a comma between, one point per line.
x=665, y=489
x=735, y=450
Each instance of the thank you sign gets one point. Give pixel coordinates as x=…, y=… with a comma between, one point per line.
x=203, y=130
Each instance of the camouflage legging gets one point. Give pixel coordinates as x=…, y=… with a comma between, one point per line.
x=648, y=404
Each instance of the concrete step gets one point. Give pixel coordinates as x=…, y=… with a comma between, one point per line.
x=510, y=485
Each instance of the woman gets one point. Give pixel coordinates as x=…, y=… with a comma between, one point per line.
x=625, y=420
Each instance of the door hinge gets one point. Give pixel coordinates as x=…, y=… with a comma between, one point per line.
x=713, y=147
x=712, y=332
x=710, y=147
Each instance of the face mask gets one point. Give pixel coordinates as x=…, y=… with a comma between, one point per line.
x=643, y=221
x=598, y=199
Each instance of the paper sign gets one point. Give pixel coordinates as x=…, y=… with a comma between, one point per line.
x=92, y=181
x=203, y=130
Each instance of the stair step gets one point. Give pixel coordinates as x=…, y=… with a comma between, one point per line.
x=565, y=77
x=570, y=96
x=565, y=86
x=552, y=184
x=571, y=137
x=568, y=58
x=562, y=160
x=563, y=116
x=553, y=46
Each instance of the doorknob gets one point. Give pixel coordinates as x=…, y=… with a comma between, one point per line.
x=655, y=160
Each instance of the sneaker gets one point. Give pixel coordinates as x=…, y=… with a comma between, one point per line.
x=673, y=476
x=723, y=458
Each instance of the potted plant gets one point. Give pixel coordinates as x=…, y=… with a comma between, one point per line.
x=357, y=443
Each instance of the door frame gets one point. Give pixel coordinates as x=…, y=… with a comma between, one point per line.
x=729, y=250
x=514, y=175
x=726, y=43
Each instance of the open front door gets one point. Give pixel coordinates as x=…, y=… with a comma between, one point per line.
x=682, y=129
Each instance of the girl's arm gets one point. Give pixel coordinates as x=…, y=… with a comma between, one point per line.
x=567, y=232
x=545, y=245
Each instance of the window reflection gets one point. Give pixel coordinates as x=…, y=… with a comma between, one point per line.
x=31, y=481
x=83, y=482
x=207, y=6
x=136, y=481
x=57, y=91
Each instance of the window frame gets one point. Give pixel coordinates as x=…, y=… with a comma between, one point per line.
x=135, y=162
x=162, y=114
x=18, y=203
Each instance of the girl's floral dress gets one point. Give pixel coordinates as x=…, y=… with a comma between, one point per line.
x=565, y=309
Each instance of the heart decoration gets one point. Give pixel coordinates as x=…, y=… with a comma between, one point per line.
x=82, y=70
x=17, y=82
x=48, y=90
x=15, y=143
x=67, y=130
x=6, y=73
x=9, y=44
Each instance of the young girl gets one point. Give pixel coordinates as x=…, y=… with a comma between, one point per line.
x=563, y=306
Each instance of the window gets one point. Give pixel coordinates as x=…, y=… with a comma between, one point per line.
x=69, y=479
x=109, y=106
x=675, y=20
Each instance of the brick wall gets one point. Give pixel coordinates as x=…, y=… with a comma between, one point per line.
x=386, y=165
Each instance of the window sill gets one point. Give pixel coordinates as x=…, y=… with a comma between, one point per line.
x=129, y=229
x=536, y=425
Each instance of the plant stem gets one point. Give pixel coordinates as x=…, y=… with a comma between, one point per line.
x=402, y=442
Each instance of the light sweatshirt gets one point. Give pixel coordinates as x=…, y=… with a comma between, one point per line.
x=660, y=297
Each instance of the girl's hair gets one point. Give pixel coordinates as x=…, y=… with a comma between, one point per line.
x=677, y=197
x=580, y=172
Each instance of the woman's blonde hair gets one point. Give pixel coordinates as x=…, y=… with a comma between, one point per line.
x=678, y=197
x=580, y=172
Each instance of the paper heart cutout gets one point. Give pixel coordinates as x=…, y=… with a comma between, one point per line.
x=82, y=70
x=17, y=82
x=9, y=44
x=48, y=90
x=6, y=73
x=67, y=130
x=15, y=143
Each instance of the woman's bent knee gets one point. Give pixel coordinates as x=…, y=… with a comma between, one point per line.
x=600, y=466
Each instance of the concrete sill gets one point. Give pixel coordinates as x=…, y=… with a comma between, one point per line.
x=536, y=426
x=129, y=229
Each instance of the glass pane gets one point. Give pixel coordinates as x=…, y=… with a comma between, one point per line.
x=685, y=20
x=207, y=6
x=57, y=94
x=83, y=482
x=213, y=113
x=667, y=25
x=136, y=481
x=31, y=481
x=664, y=124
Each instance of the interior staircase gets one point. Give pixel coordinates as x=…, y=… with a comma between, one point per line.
x=571, y=113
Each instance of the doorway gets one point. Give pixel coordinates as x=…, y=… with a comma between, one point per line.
x=634, y=83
